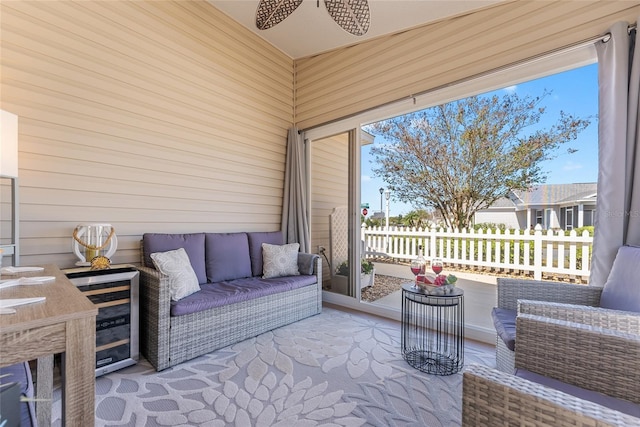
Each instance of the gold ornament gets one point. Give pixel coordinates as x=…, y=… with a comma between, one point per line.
x=93, y=247
x=100, y=263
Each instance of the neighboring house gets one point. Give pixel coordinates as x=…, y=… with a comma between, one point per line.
x=565, y=206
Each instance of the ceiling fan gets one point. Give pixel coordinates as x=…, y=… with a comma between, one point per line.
x=352, y=15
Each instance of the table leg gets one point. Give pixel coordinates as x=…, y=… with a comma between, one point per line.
x=78, y=374
x=44, y=390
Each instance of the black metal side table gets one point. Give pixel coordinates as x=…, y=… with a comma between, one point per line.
x=433, y=330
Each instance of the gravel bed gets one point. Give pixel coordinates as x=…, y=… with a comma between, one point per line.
x=382, y=286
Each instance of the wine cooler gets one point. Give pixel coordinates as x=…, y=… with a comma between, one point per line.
x=116, y=293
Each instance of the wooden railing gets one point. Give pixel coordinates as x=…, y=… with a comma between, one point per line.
x=536, y=252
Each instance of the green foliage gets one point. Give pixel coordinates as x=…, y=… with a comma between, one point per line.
x=490, y=226
x=371, y=222
x=460, y=157
x=419, y=218
x=366, y=267
x=580, y=230
x=380, y=222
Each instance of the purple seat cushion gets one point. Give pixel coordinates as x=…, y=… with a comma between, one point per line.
x=227, y=256
x=620, y=405
x=233, y=291
x=193, y=245
x=504, y=321
x=256, y=239
x=622, y=289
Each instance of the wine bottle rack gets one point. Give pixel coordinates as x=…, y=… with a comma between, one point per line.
x=115, y=292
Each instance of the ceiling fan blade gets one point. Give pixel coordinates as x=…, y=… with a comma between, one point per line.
x=272, y=12
x=352, y=15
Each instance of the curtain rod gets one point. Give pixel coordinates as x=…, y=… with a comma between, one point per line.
x=604, y=38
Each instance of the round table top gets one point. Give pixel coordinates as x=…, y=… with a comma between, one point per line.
x=410, y=287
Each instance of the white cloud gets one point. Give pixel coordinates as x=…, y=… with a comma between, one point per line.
x=571, y=166
x=365, y=178
x=510, y=89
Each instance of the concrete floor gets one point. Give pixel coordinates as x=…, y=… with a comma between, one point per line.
x=479, y=293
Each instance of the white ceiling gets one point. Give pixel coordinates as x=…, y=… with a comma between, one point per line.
x=309, y=30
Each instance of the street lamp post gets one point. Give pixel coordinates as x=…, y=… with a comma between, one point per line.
x=381, y=190
x=387, y=195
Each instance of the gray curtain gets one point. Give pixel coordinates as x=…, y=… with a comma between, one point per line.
x=618, y=212
x=295, y=218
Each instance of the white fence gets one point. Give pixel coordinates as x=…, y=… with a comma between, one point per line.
x=536, y=252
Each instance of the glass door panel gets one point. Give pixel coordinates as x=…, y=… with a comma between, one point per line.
x=329, y=165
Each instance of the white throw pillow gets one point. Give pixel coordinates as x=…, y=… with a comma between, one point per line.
x=182, y=278
x=280, y=260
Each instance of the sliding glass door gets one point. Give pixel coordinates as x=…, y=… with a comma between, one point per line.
x=333, y=173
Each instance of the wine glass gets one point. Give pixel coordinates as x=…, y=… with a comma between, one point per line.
x=436, y=265
x=417, y=268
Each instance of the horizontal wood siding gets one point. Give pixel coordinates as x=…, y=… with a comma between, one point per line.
x=350, y=80
x=152, y=116
x=329, y=188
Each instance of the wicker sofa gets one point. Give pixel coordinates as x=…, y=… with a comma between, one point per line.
x=567, y=374
x=234, y=301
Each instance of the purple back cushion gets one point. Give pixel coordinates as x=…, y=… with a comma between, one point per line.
x=193, y=244
x=227, y=256
x=622, y=288
x=256, y=239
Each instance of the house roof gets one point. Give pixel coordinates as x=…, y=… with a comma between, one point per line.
x=502, y=203
x=549, y=194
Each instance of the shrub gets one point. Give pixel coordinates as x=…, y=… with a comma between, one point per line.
x=366, y=267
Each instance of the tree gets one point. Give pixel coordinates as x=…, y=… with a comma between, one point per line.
x=418, y=218
x=460, y=157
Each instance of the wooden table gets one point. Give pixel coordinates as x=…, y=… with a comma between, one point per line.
x=64, y=323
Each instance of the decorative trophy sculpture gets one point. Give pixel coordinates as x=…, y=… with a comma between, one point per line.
x=94, y=242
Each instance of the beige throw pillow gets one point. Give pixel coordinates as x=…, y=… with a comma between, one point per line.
x=182, y=278
x=280, y=260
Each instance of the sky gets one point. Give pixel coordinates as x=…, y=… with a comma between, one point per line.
x=574, y=91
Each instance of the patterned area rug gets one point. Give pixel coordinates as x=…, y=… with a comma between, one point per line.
x=335, y=369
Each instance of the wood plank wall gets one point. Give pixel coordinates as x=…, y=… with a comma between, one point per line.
x=170, y=117
x=158, y=116
x=329, y=189
x=350, y=80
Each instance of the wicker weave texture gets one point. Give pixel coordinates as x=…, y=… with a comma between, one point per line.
x=155, y=306
x=168, y=340
x=588, y=357
x=511, y=293
x=623, y=321
x=493, y=398
x=505, y=358
x=512, y=290
x=199, y=333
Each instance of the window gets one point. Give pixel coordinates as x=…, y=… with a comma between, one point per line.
x=589, y=217
x=568, y=223
x=547, y=219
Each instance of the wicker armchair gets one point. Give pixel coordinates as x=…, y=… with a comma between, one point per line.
x=511, y=291
x=575, y=303
x=570, y=354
